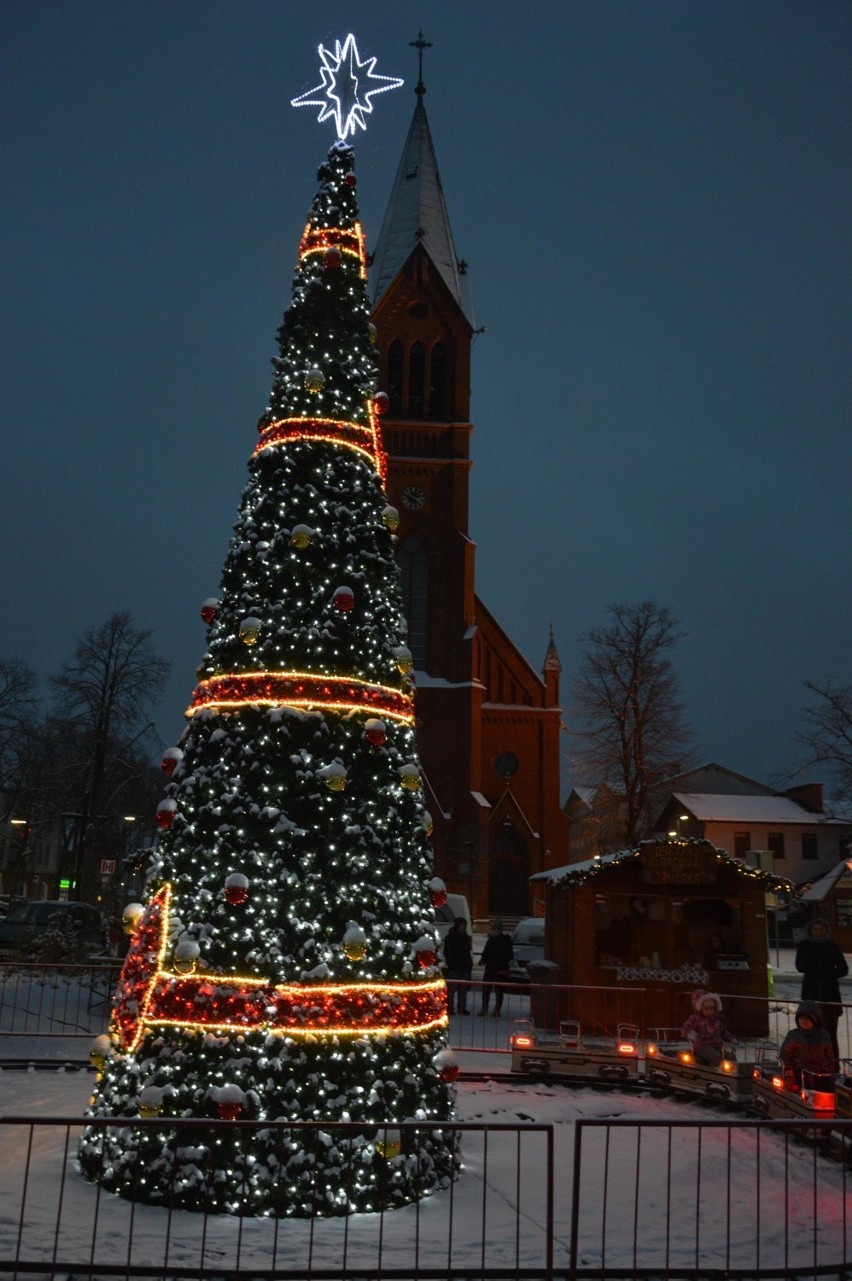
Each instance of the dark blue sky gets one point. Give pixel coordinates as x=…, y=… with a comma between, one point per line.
x=654, y=200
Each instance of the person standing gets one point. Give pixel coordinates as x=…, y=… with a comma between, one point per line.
x=496, y=958
x=458, y=954
x=821, y=962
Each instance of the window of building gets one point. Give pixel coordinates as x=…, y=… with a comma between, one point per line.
x=414, y=564
x=416, y=380
x=844, y=913
x=742, y=844
x=809, y=845
x=395, y=371
x=775, y=844
x=652, y=931
x=438, y=382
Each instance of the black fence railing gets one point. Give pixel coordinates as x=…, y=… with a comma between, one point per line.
x=710, y=1199
x=56, y=1001
x=495, y=1220
x=605, y=1197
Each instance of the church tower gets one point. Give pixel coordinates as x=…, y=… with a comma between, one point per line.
x=488, y=723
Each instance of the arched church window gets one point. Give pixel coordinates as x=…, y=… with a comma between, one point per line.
x=416, y=380
x=414, y=564
x=396, y=358
x=438, y=388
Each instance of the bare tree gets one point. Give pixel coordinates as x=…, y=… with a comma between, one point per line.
x=827, y=735
x=19, y=714
x=630, y=729
x=103, y=704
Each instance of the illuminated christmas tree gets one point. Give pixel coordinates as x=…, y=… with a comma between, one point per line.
x=284, y=967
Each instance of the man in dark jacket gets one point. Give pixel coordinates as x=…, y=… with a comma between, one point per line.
x=458, y=954
x=496, y=958
x=822, y=963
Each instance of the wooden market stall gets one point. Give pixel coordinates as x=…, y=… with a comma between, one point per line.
x=652, y=923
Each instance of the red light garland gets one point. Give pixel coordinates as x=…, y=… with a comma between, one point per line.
x=349, y=240
x=149, y=996
x=301, y=690
x=364, y=440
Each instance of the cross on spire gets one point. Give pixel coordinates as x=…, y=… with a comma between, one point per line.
x=420, y=44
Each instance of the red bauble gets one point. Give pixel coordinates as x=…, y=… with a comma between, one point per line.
x=229, y=1111
x=450, y=1073
x=343, y=599
x=439, y=898
x=375, y=732
x=426, y=957
x=381, y=404
x=332, y=259
x=209, y=609
x=172, y=757
x=165, y=814
x=350, y=180
x=236, y=889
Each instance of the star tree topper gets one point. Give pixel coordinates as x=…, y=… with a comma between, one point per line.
x=346, y=87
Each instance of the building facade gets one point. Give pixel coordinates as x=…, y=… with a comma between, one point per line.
x=488, y=722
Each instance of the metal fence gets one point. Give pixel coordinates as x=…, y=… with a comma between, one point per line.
x=743, y=1199
x=495, y=1220
x=56, y=1001
x=666, y=1200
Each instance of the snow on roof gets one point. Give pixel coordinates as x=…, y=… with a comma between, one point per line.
x=821, y=889
x=573, y=873
x=708, y=807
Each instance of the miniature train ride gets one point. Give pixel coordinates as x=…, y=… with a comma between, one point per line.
x=661, y=1062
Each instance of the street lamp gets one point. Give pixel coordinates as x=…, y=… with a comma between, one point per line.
x=681, y=818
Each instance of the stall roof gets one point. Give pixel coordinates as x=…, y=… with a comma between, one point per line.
x=576, y=873
x=818, y=890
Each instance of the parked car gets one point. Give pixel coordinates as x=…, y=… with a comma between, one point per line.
x=527, y=945
x=25, y=931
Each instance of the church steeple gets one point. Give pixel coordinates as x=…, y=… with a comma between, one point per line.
x=417, y=212
x=552, y=670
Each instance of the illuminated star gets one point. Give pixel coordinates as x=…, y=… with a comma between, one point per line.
x=346, y=87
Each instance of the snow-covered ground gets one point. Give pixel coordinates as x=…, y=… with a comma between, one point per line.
x=662, y=1183
x=678, y=1196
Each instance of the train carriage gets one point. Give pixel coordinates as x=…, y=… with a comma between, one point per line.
x=813, y=1100
x=570, y=1054
x=674, y=1067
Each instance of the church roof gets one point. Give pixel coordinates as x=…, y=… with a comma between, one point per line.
x=416, y=214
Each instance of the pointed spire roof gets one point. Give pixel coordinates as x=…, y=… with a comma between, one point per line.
x=416, y=213
x=551, y=658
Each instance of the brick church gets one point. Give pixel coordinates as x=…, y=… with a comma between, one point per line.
x=488, y=722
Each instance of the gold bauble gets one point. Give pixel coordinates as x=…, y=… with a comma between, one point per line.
x=389, y=1144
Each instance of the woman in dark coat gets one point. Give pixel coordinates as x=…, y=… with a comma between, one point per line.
x=823, y=964
x=496, y=958
x=458, y=954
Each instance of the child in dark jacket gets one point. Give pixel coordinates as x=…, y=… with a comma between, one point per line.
x=807, y=1046
x=704, y=1028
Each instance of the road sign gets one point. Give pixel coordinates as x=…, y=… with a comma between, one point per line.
x=107, y=866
